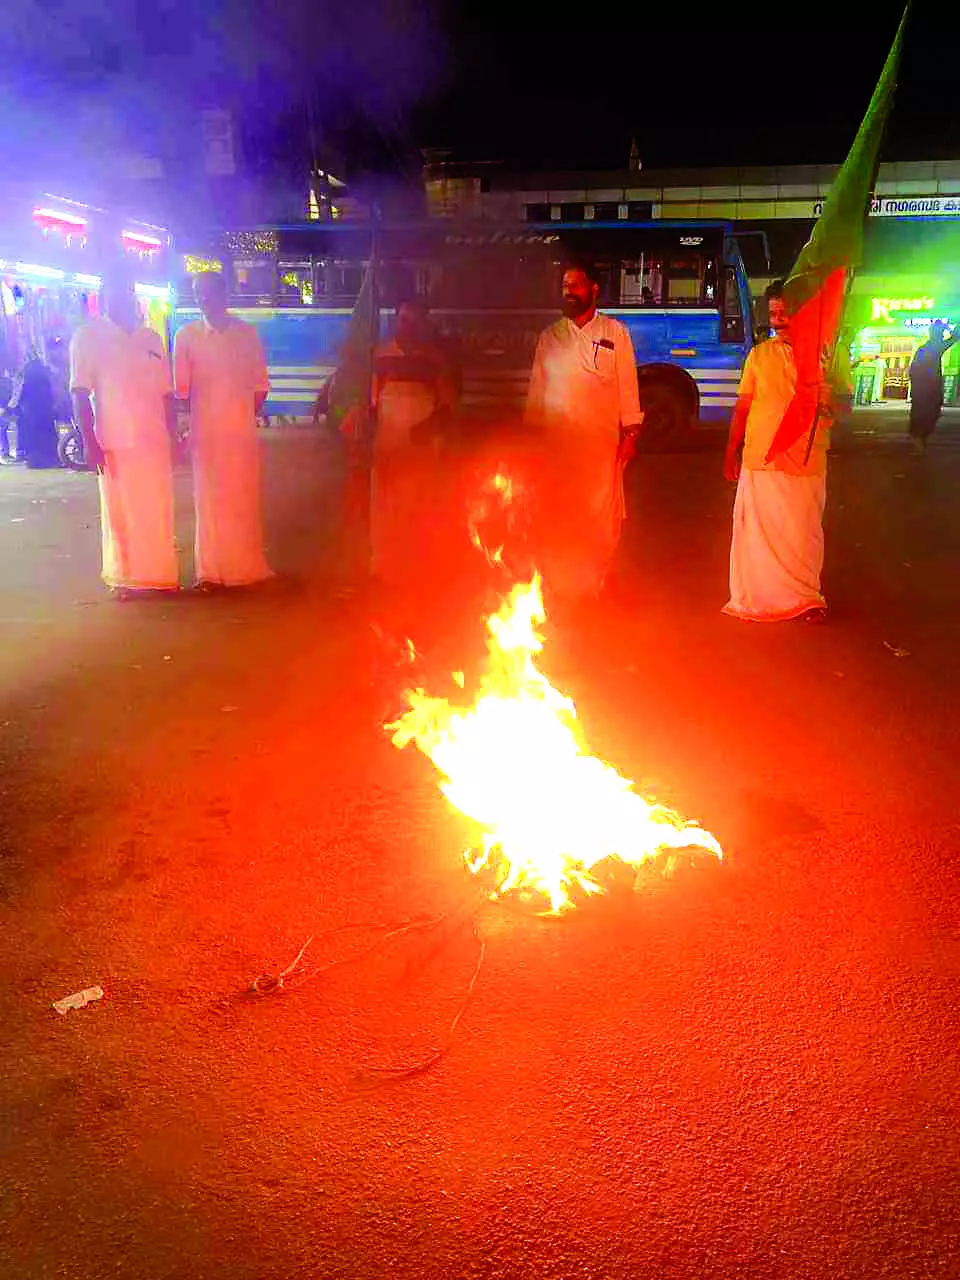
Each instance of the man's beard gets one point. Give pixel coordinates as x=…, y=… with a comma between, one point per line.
x=574, y=307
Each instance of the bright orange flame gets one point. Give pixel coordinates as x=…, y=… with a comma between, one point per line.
x=493, y=501
x=516, y=764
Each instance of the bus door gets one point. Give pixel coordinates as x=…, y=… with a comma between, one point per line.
x=641, y=290
x=690, y=292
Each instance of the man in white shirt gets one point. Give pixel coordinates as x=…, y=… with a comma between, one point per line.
x=219, y=366
x=122, y=395
x=584, y=401
x=776, y=554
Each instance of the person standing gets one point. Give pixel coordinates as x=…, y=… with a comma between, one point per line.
x=219, y=367
x=413, y=396
x=776, y=555
x=584, y=402
x=926, y=384
x=33, y=403
x=123, y=401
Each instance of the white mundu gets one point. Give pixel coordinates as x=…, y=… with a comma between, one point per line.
x=221, y=371
x=128, y=375
x=776, y=553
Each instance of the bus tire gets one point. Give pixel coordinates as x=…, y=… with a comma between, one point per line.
x=671, y=407
x=70, y=449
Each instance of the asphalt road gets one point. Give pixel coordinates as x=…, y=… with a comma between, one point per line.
x=749, y=1070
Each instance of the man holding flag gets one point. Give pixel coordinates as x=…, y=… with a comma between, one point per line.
x=777, y=550
x=784, y=405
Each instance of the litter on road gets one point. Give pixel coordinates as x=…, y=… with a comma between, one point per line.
x=78, y=1000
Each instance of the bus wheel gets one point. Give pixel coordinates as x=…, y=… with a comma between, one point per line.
x=670, y=411
x=70, y=449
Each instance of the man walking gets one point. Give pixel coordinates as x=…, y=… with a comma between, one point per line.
x=219, y=367
x=122, y=395
x=777, y=551
x=584, y=401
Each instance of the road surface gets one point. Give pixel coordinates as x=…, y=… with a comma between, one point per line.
x=748, y=1071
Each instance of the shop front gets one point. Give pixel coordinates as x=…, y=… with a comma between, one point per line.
x=888, y=326
x=53, y=255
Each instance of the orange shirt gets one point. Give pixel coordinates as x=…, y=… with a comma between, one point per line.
x=769, y=381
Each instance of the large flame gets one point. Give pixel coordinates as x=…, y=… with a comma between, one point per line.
x=515, y=762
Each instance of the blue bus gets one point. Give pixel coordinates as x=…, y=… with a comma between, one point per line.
x=680, y=287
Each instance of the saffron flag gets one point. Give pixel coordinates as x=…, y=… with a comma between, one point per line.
x=817, y=286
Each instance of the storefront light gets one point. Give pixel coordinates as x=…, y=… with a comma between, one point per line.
x=140, y=241
x=57, y=218
x=42, y=273
x=90, y=282
x=156, y=292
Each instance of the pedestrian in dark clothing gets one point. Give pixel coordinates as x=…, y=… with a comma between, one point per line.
x=34, y=404
x=926, y=384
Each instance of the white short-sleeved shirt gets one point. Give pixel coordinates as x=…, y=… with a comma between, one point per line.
x=585, y=378
x=221, y=371
x=128, y=375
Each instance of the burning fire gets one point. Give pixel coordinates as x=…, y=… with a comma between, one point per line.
x=516, y=763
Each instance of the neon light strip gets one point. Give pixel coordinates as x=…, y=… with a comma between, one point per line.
x=56, y=215
x=94, y=282
x=141, y=237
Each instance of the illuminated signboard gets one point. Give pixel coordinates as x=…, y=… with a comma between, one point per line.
x=908, y=207
x=890, y=309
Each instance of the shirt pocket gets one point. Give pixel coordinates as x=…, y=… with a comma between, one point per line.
x=605, y=360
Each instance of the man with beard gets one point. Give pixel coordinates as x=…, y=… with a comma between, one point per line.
x=584, y=403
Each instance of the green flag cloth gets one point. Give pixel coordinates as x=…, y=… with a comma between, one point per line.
x=817, y=286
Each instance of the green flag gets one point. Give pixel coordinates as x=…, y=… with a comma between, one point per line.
x=817, y=286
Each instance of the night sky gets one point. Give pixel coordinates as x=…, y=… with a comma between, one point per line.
x=510, y=82
x=749, y=84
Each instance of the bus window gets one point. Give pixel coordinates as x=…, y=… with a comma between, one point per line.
x=254, y=277
x=641, y=282
x=339, y=282
x=482, y=279
x=685, y=280
x=296, y=283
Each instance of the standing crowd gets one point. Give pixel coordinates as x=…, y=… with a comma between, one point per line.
x=125, y=405
x=583, y=411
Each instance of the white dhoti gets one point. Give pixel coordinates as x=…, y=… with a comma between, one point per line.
x=583, y=514
x=136, y=519
x=229, y=534
x=777, y=551
x=583, y=389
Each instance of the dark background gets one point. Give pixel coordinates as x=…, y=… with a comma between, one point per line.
x=525, y=85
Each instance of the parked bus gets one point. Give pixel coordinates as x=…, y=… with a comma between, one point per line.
x=680, y=288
